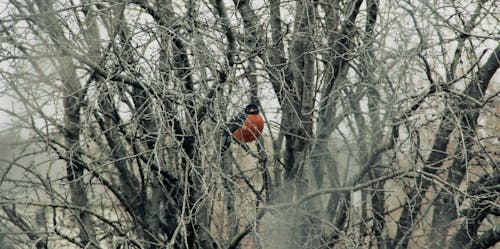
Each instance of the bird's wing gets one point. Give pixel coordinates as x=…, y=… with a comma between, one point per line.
x=231, y=127
x=236, y=122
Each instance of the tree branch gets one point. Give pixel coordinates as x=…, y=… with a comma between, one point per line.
x=25, y=227
x=487, y=240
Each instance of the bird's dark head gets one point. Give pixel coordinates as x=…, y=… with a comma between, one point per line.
x=252, y=109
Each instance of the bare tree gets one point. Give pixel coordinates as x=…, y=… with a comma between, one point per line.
x=381, y=124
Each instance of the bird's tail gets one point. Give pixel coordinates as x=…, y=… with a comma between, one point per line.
x=226, y=140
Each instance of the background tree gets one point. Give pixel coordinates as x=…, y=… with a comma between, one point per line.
x=382, y=124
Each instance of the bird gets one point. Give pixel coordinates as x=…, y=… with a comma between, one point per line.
x=245, y=127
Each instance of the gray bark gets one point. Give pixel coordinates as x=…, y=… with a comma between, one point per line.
x=72, y=105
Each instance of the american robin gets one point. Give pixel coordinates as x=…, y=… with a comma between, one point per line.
x=246, y=126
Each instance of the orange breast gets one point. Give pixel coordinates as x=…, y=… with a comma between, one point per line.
x=251, y=129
